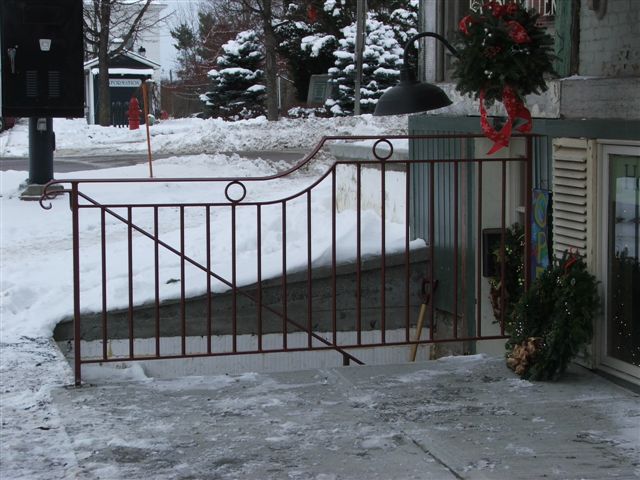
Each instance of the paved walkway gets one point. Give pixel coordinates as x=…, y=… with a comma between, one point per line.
x=456, y=418
x=95, y=161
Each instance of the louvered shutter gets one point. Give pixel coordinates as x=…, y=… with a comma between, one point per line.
x=573, y=193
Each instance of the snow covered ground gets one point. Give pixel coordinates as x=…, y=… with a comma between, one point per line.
x=35, y=279
x=195, y=136
x=36, y=289
x=38, y=436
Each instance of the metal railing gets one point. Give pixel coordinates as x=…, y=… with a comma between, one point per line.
x=263, y=264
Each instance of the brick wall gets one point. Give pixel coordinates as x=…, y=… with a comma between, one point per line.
x=610, y=46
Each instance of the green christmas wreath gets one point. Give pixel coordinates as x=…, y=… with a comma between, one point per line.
x=499, y=46
x=503, y=55
x=553, y=321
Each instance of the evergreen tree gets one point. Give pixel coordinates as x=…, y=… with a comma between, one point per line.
x=306, y=40
x=403, y=18
x=382, y=59
x=199, y=41
x=238, y=89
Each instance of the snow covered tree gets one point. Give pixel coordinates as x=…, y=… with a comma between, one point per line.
x=306, y=39
x=382, y=59
x=238, y=88
x=198, y=37
x=402, y=16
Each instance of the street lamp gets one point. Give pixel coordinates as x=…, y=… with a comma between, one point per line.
x=142, y=51
x=410, y=95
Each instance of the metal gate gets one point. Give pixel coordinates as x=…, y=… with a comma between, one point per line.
x=331, y=254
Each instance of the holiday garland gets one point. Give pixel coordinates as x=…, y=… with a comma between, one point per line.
x=553, y=321
x=503, y=56
x=513, y=273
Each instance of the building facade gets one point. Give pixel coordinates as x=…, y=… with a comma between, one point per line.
x=586, y=154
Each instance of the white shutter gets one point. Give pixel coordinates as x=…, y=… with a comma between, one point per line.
x=573, y=194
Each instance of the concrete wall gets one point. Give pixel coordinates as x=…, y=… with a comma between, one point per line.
x=297, y=296
x=610, y=46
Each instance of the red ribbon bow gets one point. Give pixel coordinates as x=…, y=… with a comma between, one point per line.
x=465, y=23
x=515, y=109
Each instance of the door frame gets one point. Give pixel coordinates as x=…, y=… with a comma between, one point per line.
x=605, y=362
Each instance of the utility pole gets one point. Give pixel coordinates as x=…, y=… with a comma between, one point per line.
x=360, y=33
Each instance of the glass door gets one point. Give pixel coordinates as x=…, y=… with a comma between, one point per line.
x=622, y=257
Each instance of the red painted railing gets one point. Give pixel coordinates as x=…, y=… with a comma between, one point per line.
x=319, y=298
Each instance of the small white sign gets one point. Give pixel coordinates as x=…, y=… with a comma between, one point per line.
x=125, y=82
x=45, y=44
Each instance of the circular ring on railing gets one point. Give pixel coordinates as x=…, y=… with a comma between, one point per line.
x=231, y=184
x=382, y=158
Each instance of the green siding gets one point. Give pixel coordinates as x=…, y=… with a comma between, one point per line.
x=563, y=40
x=444, y=216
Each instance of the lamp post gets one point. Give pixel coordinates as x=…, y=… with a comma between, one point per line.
x=410, y=95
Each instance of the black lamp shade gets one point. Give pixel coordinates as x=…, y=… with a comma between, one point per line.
x=411, y=97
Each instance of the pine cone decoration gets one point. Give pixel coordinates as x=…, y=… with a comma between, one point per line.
x=523, y=356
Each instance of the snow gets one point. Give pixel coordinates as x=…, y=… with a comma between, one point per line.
x=315, y=43
x=32, y=304
x=66, y=438
x=126, y=71
x=195, y=135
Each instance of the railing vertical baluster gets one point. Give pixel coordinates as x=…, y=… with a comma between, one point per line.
x=309, y=275
x=431, y=247
x=130, y=275
x=156, y=263
x=103, y=266
x=503, y=226
x=75, y=227
x=334, y=286
x=456, y=207
x=479, y=164
x=259, y=274
x=183, y=313
x=407, y=264
x=207, y=212
x=527, y=211
x=383, y=251
x=284, y=276
x=359, y=253
x=234, y=285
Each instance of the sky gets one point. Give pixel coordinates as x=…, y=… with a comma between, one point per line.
x=177, y=9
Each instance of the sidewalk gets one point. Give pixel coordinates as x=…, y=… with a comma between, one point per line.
x=456, y=418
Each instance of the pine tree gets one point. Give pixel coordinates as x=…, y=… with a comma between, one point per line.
x=382, y=59
x=238, y=89
x=307, y=38
x=403, y=19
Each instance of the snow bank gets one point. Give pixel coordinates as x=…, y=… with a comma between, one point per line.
x=194, y=135
x=36, y=283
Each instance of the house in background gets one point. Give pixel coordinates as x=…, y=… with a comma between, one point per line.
x=140, y=61
x=127, y=72
x=586, y=154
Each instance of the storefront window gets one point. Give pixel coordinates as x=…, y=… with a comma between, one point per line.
x=623, y=312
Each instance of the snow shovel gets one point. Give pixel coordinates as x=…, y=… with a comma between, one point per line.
x=426, y=298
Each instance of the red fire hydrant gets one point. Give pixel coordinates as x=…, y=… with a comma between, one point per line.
x=134, y=114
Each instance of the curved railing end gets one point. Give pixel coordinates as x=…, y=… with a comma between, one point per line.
x=49, y=193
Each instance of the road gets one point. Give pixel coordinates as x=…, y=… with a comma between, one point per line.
x=95, y=162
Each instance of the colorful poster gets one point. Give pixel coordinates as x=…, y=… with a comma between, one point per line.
x=540, y=208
